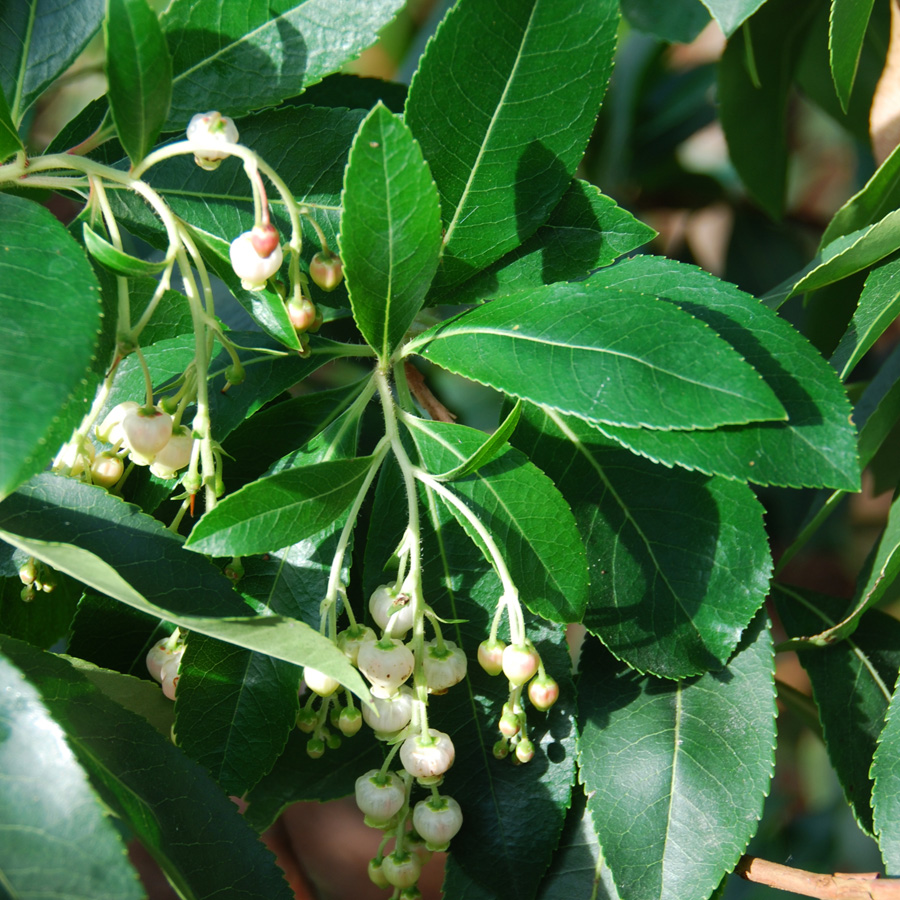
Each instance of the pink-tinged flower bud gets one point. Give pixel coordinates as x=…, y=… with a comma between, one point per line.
x=253, y=270
x=208, y=130
x=520, y=662
x=427, y=758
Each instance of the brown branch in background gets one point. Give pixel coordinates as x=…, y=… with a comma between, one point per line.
x=424, y=397
x=862, y=886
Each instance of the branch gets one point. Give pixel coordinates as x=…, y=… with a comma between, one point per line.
x=840, y=886
x=424, y=397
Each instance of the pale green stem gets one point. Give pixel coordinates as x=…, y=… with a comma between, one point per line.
x=124, y=305
x=148, y=380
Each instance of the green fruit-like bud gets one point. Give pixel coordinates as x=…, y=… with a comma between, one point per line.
x=326, y=270
x=315, y=747
x=350, y=721
x=306, y=720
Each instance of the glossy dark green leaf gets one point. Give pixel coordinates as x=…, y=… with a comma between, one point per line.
x=492, y=446
x=279, y=510
x=585, y=231
x=234, y=710
x=9, y=137
x=390, y=229
x=679, y=561
x=880, y=195
x=286, y=45
x=517, y=123
x=44, y=620
x=849, y=19
x=116, y=549
x=879, y=306
x=116, y=260
x=169, y=802
x=886, y=791
x=731, y=14
x=139, y=74
x=522, y=510
x=852, y=682
x=753, y=111
x=676, y=773
x=513, y=815
x=47, y=289
x=56, y=836
x=816, y=446
x=39, y=40
x=603, y=356
x=676, y=22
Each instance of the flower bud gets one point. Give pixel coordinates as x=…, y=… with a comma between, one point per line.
x=490, y=656
x=110, y=429
x=265, y=239
x=106, y=470
x=350, y=721
x=524, y=751
x=352, y=638
x=386, y=663
x=438, y=821
x=390, y=713
x=320, y=683
x=401, y=870
x=379, y=797
x=387, y=605
x=253, y=270
x=543, y=691
x=146, y=433
x=302, y=314
x=175, y=455
x=326, y=270
x=520, y=662
x=211, y=128
x=430, y=757
x=443, y=667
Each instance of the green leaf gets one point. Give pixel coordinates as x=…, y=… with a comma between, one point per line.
x=879, y=306
x=390, y=229
x=49, y=313
x=676, y=22
x=493, y=445
x=676, y=772
x=39, y=40
x=169, y=802
x=10, y=142
x=603, y=356
x=731, y=14
x=116, y=260
x=679, y=561
x=880, y=195
x=286, y=45
x=235, y=710
x=816, y=446
x=847, y=29
x=282, y=509
x=585, y=231
x=518, y=123
x=852, y=682
x=886, y=791
x=44, y=620
x=753, y=112
x=116, y=549
x=513, y=815
x=57, y=838
x=139, y=74
x=520, y=507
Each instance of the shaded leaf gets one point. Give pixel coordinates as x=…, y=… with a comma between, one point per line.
x=679, y=562
x=44, y=620
x=730, y=14
x=9, y=137
x=815, y=446
x=886, y=790
x=56, y=835
x=676, y=773
x=287, y=45
x=48, y=289
x=603, y=356
x=518, y=123
x=390, y=229
x=849, y=19
x=139, y=74
x=676, y=22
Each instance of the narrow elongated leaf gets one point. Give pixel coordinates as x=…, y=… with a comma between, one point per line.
x=880, y=195
x=287, y=45
x=512, y=815
x=518, y=123
x=139, y=73
x=281, y=509
x=390, y=229
x=847, y=29
x=39, y=40
x=676, y=773
x=585, y=231
x=603, y=356
x=524, y=513
x=879, y=306
x=886, y=791
x=816, y=446
x=116, y=260
x=488, y=450
x=47, y=288
x=57, y=838
x=731, y=14
x=753, y=109
x=9, y=137
x=679, y=561
x=852, y=683
x=113, y=547
x=169, y=802
x=235, y=710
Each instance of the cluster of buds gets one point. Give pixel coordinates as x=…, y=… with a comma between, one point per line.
x=147, y=437
x=164, y=661
x=35, y=577
x=520, y=663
